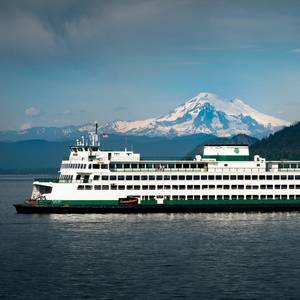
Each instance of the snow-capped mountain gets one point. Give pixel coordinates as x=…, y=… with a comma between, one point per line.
x=205, y=113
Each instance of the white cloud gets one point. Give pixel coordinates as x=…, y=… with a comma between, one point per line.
x=25, y=126
x=32, y=111
x=296, y=50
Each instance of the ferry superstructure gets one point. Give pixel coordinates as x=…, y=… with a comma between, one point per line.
x=225, y=178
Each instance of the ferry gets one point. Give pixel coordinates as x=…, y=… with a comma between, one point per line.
x=224, y=179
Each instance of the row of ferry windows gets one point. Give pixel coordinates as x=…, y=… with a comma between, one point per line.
x=187, y=187
x=73, y=166
x=198, y=177
x=156, y=165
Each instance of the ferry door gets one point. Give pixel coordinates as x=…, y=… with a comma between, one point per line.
x=86, y=178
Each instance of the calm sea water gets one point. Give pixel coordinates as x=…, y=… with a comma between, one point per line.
x=163, y=256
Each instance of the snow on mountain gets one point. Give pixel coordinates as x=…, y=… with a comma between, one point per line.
x=205, y=113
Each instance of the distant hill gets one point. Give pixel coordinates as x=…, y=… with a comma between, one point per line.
x=35, y=155
x=237, y=139
x=283, y=144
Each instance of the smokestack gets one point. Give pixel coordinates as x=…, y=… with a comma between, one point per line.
x=96, y=128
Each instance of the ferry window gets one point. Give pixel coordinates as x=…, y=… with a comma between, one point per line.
x=128, y=177
x=218, y=177
x=277, y=197
x=240, y=177
x=291, y=177
x=90, y=166
x=171, y=166
x=137, y=187
x=189, y=177
x=233, y=177
x=96, y=177
x=178, y=166
x=175, y=197
x=175, y=187
x=263, y=187
x=119, y=166
x=248, y=197
x=211, y=177
x=263, y=197
x=196, y=177
x=280, y=166
x=254, y=177
x=219, y=187
x=181, y=197
x=121, y=187
x=291, y=186
x=255, y=197
x=226, y=197
x=241, y=187
x=241, y=197
x=291, y=197
x=225, y=177
x=79, y=176
x=193, y=166
x=167, y=187
x=112, y=166
x=248, y=187
x=186, y=166
x=182, y=187
x=97, y=187
x=88, y=187
x=262, y=177
x=297, y=177
x=276, y=177
x=297, y=186
x=151, y=177
x=151, y=187
x=133, y=166
x=80, y=187
x=181, y=177
x=286, y=166
x=104, y=177
x=283, y=177
x=269, y=177
x=255, y=187
x=196, y=187
x=190, y=197
x=174, y=177
x=270, y=187
x=136, y=177
x=204, y=187
x=234, y=197
x=197, y=197
x=284, y=187
x=211, y=197
x=234, y=187
x=113, y=177
x=166, y=177
x=204, y=197
x=226, y=187
x=149, y=166
x=258, y=165
x=159, y=177
x=247, y=177
x=160, y=187
x=126, y=166
x=104, y=166
x=277, y=187
x=200, y=166
x=96, y=166
x=142, y=166
x=144, y=177
x=225, y=165
x=293, y=166
x=145, y=187
x=113, y=187
x=121, y=177
x=211, y=187
x=203, y=177
x=283, y=196
x=157, y=166
x=189, y=187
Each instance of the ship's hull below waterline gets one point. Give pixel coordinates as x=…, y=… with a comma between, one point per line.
x=156, y=208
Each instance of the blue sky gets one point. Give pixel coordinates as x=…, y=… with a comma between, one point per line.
x=71, y=62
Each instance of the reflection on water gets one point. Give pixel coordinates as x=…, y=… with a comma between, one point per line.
x=162, y=256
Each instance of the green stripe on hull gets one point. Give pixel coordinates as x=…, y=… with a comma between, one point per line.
x=169, y=202
x=228, y=157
